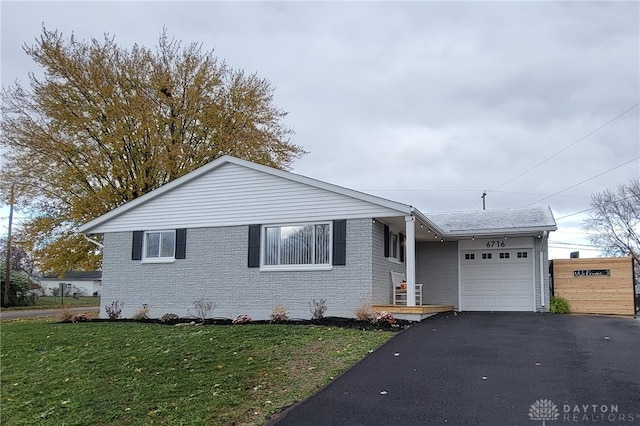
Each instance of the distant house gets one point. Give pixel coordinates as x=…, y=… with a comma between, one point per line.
x=249, y=237
x=80, y=282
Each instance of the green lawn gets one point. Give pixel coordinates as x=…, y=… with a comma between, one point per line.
x=134, y=373
x=50, y=302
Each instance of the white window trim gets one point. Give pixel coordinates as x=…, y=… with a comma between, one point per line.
x=306, y=267
x=392, y=259
x=146, y=259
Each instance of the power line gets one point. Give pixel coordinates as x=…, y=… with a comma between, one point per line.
x=586, y=180
x=573, y=214
x=569, y=146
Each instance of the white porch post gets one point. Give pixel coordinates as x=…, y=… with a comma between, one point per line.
x=410, y=259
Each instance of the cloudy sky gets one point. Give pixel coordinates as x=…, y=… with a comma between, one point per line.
x=427, y=103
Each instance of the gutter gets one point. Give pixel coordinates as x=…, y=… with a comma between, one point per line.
x=91, y=240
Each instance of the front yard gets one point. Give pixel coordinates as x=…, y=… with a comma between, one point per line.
x=133, y=373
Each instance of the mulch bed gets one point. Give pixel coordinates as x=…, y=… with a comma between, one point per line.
x=327, y=321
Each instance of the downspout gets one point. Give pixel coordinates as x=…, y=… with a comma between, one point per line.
x=91, y=240
x=542, y=244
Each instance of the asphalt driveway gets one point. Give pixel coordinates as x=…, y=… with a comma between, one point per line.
x=490, y=369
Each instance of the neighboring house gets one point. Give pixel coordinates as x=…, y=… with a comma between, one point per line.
x=83, y=283
x=249, y=237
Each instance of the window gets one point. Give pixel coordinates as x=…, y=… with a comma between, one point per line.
x=522, y=255
x=469, y=256
x=504, y=255
x=394, y=246
x=486, y=255
x=307, y=244
x=159, y=245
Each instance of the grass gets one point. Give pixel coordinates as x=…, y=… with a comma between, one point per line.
x=51, y=302
x=134, y=373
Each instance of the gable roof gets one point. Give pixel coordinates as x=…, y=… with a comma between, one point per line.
x=491, y=222
x=365, y=203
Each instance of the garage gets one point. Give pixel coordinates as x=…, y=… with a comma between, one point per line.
x=497, y=275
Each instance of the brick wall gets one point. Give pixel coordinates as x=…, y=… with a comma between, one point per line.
x=216, y=269
x=382, y=292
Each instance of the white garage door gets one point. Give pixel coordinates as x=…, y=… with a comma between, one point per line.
x=497, y=280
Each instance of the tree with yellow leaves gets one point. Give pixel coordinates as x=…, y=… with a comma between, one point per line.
x=105, y=125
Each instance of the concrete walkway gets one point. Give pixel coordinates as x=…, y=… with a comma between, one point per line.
x=489, y=369
x=32, y=313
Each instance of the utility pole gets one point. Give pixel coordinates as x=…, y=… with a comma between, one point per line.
x=484, y=200
x=7, y=275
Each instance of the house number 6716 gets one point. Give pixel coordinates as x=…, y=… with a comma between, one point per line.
x=492, y=244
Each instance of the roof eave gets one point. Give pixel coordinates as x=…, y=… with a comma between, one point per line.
x=487, y=233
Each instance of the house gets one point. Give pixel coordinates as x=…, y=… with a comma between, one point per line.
x=82, y=283
x=248, y=238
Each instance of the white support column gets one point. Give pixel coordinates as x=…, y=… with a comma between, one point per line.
x=410, y=259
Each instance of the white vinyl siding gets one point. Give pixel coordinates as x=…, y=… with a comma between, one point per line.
x=235, y=195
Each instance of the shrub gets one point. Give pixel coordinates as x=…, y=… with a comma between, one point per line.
x=115, y=310
x=363, y=312
x=559, y=305
x=383, y=318
x=169, y=318
x=318, y=309
x=203, y=308
x=142, y=313
x=82, y=317
x=19, y=285
x=242, y=319
x=65, y=314
x=279, y=314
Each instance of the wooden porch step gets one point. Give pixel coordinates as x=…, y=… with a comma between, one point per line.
x=420, y=309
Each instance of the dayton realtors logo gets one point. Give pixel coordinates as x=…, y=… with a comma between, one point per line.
x=545, y=410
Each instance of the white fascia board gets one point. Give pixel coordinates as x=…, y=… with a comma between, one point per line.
x=401, y=208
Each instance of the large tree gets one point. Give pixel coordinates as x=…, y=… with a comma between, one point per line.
x=106, y=124
x=614, y=222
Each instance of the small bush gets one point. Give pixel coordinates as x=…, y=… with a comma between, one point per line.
x=169, y=318
x=242, y=319
x=559, y=305
x=383, y=318
x=82, y=317
x=318, y=309
x=114, y=311
x=142, y=313
x=279, y=314
x=19, y=285
x=65, y=314
x=203, y=308
x=363, y=312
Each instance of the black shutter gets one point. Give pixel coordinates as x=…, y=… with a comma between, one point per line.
x=181, y=243
x=253, y=256
x=136, y=247
x=386, y=241
x=401, y=241
x=340, y=242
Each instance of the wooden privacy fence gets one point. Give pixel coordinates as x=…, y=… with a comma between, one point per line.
x=595, y=286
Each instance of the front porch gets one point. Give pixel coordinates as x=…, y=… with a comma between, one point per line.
x=413, y=313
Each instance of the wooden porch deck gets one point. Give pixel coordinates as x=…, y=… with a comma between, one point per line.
x=413, y=313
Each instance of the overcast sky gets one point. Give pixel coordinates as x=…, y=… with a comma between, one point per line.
x=426, y=103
